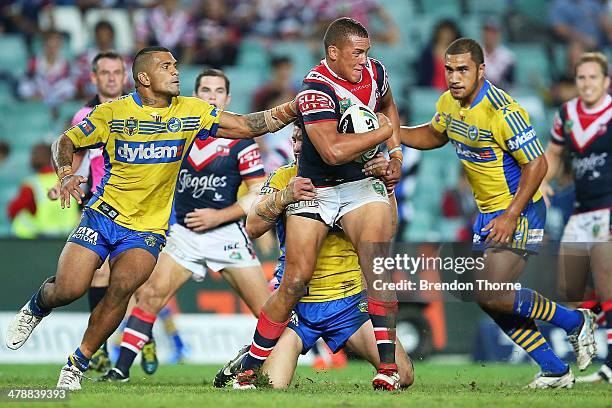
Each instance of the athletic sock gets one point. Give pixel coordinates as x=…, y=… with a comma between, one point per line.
x=525, y=333
x=135, y=335
x=607, y=309
x=266, y=336
x=383, y=316
x=531, y=305
x=78, y=360
x=36, y=304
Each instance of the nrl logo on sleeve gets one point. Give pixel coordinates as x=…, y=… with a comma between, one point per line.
x=131, y=126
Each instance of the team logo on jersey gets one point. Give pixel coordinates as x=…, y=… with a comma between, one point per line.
x=567, y=127
x=174, y=125
x=86, y=127
x=344, y=104
x=473, y=133
x=150, y=240
x=159, y=151
x=363, y=306
x=131, y=126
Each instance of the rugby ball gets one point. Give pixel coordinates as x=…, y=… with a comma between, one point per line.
x=359, y=118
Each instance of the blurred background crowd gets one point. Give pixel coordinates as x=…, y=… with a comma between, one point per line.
x=267, y=46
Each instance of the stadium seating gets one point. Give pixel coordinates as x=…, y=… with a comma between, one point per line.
x=14, y=54
x=66, y=19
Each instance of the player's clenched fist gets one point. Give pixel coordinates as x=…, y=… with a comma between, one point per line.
x=301, y=189
x=71, y=186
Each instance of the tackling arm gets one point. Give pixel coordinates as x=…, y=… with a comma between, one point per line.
x=422, y=137
x=235, y=126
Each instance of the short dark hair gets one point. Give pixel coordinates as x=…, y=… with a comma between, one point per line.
x=103, y=24
x=465, y=46
x=278, y=60
x=107, y=54
x=142, y=58
x=339, y=30
x=212, y=72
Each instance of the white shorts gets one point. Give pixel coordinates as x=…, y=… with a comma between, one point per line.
x=588, y=227
x=334, y=202
x=220, y=248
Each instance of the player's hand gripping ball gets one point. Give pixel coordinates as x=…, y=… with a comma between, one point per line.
x=359, y=118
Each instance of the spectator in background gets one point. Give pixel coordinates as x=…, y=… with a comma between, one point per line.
x=430, y=65
x=364, y=11
x=168, y=26
x=499, y=59
x=583, y=21
x=22, y=16
x=458, y=203
x=49, y=76
x=276, y=149
x=564, y=87
x=5, y=150
x=104, y=39
x=217, y=36
x=280, y=83
x=33, y=215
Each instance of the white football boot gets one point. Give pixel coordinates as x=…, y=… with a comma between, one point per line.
x=583, y=342
x=542, y=381
x=70, y=378
x=603, y=375
x=20, y=328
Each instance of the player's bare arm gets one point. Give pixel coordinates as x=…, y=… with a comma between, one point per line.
x=62, y=151
x=235, y=126
x=337, y=148
x=502, y=228
x=422, y=137
x=389, y=109
x=553, y=155
x=269, y=207
x=203, y=219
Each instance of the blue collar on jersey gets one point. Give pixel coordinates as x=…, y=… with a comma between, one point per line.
x=481, y=94
x=138, y=101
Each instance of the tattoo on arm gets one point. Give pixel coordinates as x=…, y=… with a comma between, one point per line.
x=62, y=153
x=256, y=122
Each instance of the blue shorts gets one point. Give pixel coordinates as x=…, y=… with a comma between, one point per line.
x=335, y=321
x=105, y=237
x=528, y=234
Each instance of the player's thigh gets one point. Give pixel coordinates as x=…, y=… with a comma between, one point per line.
x=573, y=271
x=303, y=240
x=280, y=365
x=502, y=265
x=101, y=275
x=369, y=223
x=250, y=284
x=165, y=280
x=75, y=269
x=129, y=270
x=601, y=265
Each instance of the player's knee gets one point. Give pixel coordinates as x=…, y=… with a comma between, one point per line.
x=120, y=291
x=294, y=288
x=151, y=300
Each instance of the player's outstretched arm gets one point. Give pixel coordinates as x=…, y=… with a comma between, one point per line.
x=62, y=151
x=235, y=126
x=269, y=207
x=422, y=137
x=339, y=148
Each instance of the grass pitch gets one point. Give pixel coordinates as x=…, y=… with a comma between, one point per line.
x=436, y=385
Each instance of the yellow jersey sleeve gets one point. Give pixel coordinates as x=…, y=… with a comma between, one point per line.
x=93, y=130
x=439, y=120
x=209, y=119
x=516, y=135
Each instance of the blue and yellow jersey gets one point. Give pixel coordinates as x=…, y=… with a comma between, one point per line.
x=143, y=150
x=493, y=139
x=337, y=274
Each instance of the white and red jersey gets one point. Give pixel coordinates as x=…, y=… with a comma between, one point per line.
x=587, y=136
x=324, y=97
x=212, y=172
x=93, y=162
